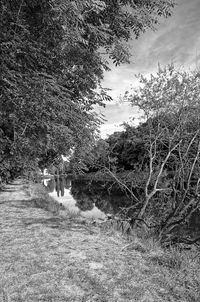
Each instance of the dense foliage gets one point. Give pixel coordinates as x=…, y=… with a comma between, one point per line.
x=52, y=63
x=161, y=155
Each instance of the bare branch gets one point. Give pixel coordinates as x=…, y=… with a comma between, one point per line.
x=191, y=142
x=24, y=129
x=122, y=184
x=197, y=187
x=163, y=165
x=155, y=189
x=193, y=165
x=150, y=170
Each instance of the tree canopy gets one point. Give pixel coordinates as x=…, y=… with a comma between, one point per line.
x=51, y=66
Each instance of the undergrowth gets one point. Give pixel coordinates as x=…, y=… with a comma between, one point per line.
x=48, y=257
x=174, y=271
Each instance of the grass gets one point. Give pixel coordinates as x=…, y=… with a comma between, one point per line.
x=50, y=254
x=41, y=199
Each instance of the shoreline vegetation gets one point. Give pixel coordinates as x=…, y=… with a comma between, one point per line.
x=50, y=254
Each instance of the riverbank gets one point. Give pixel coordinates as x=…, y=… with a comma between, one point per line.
x=128, y=177
x=47, y=254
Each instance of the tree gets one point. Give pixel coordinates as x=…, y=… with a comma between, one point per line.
x=52, y=64
x=160, y=157
x=170, y=103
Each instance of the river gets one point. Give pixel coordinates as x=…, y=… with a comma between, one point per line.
x=94, y=200
x=91, y=201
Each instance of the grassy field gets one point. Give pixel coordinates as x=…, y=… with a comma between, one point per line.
x=47, y=254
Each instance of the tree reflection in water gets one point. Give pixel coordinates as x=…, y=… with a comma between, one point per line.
x=83, y=202
x=49, y=184
x=58, y=184
x=96, y=194
x=87, y=197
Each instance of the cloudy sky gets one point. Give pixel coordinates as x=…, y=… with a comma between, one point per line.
x=177, y=40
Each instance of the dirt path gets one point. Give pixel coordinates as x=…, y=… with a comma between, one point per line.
x=47, y=257
x=14, y=191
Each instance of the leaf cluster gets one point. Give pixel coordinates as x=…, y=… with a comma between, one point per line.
x=51, y=66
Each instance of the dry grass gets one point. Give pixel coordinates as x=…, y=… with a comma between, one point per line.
x=48, y=255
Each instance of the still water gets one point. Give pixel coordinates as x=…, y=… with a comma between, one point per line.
x=91, y=201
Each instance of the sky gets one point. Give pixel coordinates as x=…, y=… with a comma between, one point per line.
x=177, y=40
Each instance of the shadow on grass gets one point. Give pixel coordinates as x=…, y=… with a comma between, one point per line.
x=50, y=206
x=5, y=201
x=59, y=223
x=53, y=222
x=2, y=190
x=47, y=204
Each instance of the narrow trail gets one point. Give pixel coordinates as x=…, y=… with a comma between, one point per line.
x=14, y=191
x=47, y=257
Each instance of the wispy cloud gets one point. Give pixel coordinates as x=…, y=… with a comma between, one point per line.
x=108, y=129
x=177, y=40
x=113, y=111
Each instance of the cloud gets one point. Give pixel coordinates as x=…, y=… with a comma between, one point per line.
x=176, y=40
x=117, y=112
x=108, y=129
x=120, y=79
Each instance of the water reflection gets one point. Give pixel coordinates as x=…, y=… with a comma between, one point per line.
x=94, y=201
x=57, y=184
x=61, y=190
x=49, y=184
x=91, y=201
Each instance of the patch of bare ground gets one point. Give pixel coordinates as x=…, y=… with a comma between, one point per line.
x=46, y=255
